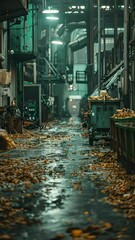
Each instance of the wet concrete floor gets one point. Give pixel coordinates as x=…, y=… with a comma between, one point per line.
x=66, y=199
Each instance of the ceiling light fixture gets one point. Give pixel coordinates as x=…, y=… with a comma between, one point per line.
x=52, y=18
x=57, y=42
x=49, y=10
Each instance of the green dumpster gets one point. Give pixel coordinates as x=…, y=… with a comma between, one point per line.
x=99, y=122
x=125, y=135
x=113, y=121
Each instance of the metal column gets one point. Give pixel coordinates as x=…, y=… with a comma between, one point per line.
x=99, y=48
x=125, y=47
x=90, y=47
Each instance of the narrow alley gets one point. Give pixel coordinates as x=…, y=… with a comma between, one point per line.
x=52, y=186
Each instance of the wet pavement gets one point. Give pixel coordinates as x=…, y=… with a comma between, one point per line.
x=63, y=196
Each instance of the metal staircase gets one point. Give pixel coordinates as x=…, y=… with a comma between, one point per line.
x=53, y=69
x=51, y=74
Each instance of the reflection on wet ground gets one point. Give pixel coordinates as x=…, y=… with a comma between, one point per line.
x=64, y=196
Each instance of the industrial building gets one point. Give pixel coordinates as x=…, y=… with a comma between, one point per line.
x=67, y=102
x=96, y=50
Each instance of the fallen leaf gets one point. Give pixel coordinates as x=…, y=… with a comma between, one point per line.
x=5, y=236
x=76, y=232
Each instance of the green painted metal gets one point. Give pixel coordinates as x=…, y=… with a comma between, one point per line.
x=101, y=112
x=23, y=33
x=19, y=90
x=113, y=129
x=125, y=135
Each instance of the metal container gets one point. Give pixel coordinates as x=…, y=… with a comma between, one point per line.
x=99, y=122
x=101, y=111
x=125, y=135
x=113, y=135
x=32, y=103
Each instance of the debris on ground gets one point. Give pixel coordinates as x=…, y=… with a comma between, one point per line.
x=26, y=184
x=121, y=186
x=6, y=142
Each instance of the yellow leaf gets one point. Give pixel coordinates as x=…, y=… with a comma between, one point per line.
x=5, y=236
x=11, y=189
x=15, y=180
x=107, y=225
x=86, y=213
x=76, y=232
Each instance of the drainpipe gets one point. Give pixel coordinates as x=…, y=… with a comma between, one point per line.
x=99, y=49
x=90, y=47
x=34, y=73
x=104, y=46
x=115, y=33
x=125, y=47
x=70, y=56
x=8, y=47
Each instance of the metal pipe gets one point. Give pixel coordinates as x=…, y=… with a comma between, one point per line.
x=125, y=47
x=8, y=47
x=34, y=73
x=70, y=56
x=104, y=45
x=78, y=44
x=99, y=49
x=43, y=4
x=90, y=47
x=115, y=33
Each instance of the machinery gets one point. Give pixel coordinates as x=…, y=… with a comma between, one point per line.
x=30, y=110
x=32, y=103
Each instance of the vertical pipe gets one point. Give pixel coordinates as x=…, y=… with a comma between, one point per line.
x=34, y=73
x=132, y=50
x=104, y=43
x=90, y=47
x=1, y=40
x=115, y=33
x=43, y=4
x=48, y=69
x=49, y=45
x=99, y=49
x=91, y=43
x=133, y=83
x=8, y=47
x=125, y=47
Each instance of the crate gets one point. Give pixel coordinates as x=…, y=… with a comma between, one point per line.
x=113, y=135
x=125, y=135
